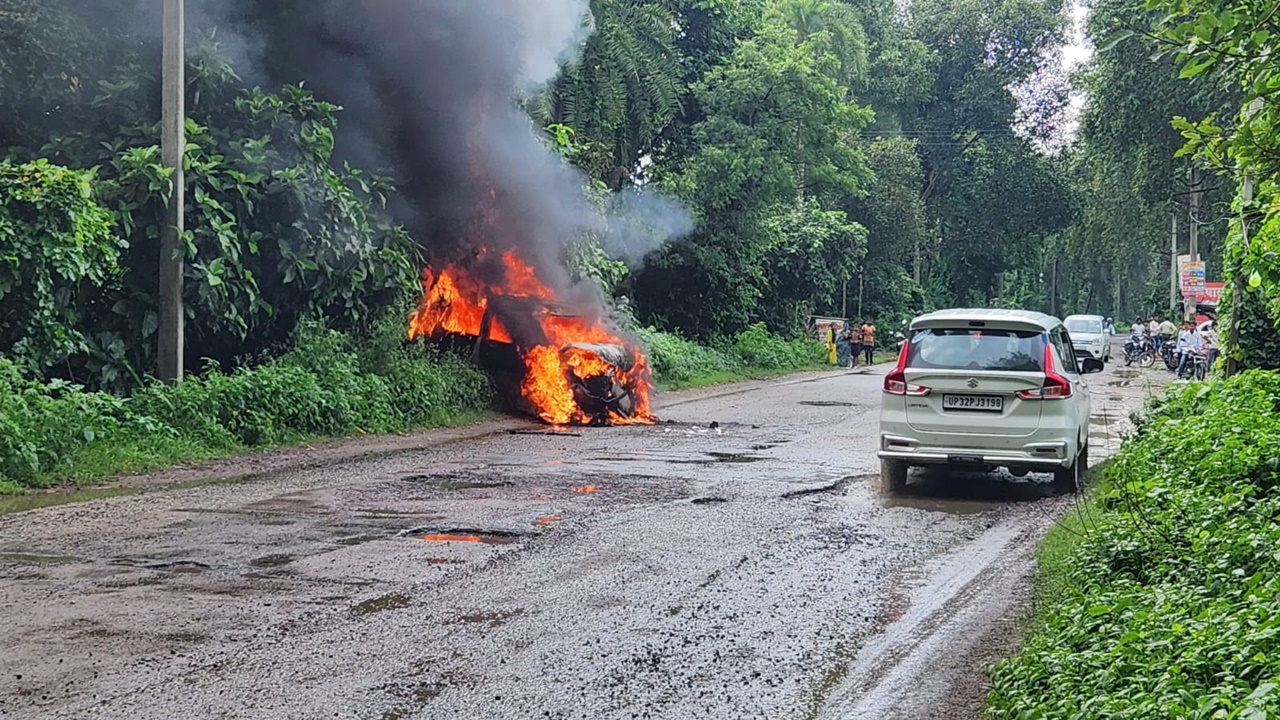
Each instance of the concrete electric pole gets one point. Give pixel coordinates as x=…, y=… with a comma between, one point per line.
x=1193, y=239
x=172, y=144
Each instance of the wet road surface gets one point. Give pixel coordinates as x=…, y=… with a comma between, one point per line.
x=736, y=561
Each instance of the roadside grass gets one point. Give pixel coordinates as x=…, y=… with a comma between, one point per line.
x=1157, y=598
x=327, y=385
x=1053, y=555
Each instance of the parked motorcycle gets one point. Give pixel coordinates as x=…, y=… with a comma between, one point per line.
x=1140, y=351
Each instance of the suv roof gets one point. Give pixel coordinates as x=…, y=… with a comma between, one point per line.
x=992, y=315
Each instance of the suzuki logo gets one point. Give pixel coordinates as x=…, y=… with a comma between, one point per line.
x=973, y=382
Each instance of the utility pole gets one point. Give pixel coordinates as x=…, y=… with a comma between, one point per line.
x=1193, y=239
x=1173, y=263
x=172, y=144
x=860, y=279
x=844, y=302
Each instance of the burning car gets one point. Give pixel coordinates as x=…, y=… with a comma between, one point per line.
x=569, y=366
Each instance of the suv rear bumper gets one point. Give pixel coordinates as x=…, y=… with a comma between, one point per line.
x=1051, y=454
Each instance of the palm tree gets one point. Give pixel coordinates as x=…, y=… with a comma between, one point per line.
x=626, y=86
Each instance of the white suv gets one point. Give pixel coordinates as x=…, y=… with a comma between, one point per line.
x=986, y=389
x=1089, y=336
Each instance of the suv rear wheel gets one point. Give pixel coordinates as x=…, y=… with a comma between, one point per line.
x=893, y=475
x=1071, y=479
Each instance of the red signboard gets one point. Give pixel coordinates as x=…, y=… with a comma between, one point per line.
x=1211, y=293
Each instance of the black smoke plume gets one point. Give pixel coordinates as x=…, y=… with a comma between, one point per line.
x=429, y=90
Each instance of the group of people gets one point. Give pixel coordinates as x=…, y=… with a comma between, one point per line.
x=1188, y=340
x=855, y=341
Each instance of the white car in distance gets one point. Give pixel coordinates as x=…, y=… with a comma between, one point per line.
x=984, y=389
x=1089, y=336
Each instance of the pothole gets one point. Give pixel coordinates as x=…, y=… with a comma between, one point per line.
x=357, y=540
x=465, y=535
x=392, y=601
x=709, y=500
x=725, y=457
x=553, y=433
x=38, y=559
x=189, y=567
x=271, y=560
x=492, y=619
x=455, y=482
x=805, y=492
x=826, y=403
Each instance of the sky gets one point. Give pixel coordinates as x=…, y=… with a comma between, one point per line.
x=1075, y=54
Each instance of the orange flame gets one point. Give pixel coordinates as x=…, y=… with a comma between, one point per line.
x=456, y=302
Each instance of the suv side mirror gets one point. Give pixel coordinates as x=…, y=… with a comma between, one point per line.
x=1091, y=365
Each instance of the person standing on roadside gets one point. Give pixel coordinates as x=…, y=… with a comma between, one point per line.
x=856, y=332
x=1209, y=342
x=844, y=346
x=1153, y=329
x=1167, y=330
x=869, y=340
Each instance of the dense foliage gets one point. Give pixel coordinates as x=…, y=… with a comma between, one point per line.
x=1233, y=43
x=54, y=238
x=677, y=361
x=275, y=230
x=328, y=384
x=1168, y=607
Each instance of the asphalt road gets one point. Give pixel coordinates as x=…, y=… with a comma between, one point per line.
x=736, y=561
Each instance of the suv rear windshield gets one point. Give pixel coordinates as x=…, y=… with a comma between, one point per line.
x=977, y=349
x=1084, y=325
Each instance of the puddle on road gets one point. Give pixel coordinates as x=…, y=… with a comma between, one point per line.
x=38, y=558
x=186, y=567
x=455, y=482
x=51, y=498
x=482, y=537
x=393, y=601
x=492, y=619
x=735, y=457
x=271, y=560
x=960, y=493
x=940, y=505
x=721, y=457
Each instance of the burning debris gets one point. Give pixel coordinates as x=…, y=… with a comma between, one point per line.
x=576, y=370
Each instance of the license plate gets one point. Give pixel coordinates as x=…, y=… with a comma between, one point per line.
x=987, y=403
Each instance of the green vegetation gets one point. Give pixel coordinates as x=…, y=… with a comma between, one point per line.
x=1165, y=607
x=326, y=385
x=678, y=362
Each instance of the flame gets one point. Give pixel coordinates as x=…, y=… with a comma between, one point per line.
x=457, y=302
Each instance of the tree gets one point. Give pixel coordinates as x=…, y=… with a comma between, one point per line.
x=777, y=128
x=626, y=87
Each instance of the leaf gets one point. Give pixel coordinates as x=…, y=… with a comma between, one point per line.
x=1196, y=67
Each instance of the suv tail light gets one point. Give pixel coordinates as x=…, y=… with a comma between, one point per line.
x=1055, y=386
x=895, y=383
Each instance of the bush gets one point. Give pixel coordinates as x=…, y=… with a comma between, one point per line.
x=759, y=348
x=322, y=387
x=1174, y=615
x=678, y=361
